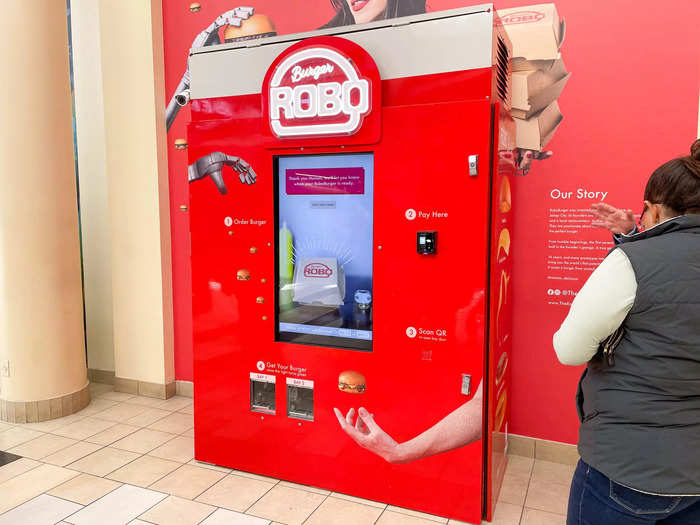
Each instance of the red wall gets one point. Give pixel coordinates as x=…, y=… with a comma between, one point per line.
x=631, y=104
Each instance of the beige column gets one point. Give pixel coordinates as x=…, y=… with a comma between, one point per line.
x=42, y=353
x=131, y=38
x=94, y=198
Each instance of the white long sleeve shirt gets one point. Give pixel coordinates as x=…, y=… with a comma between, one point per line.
x=597, y=311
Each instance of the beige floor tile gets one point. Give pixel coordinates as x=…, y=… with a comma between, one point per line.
x=144, y=471
x=175, y=423
x=68, y=420
x=188, y=433
x=16, y=436
x=148, y=417
x=44, y=426
x=84, y=428
x=112, y=434
x=506, y=514
x=235, y=492
x=188, y=481
x=104, y=461
x=143, y=440
x=187, y=410
x=335, y=511
x=416, y=514
x=307, y=488
x=396, y=518
x=41, y=510
x=42, y=446
x=177, y=511
x=180, y=449
x=70, y=454
x=121, y=412
x=24, y=487
x=550, y=472
x=176, y=403
x=123, y=505
x=95, y=406
x=519, y=467
x=513, y=490
x=291, y=506
x=347, y=497
x=150, y=402
x=202, y=464
x=116, y=396
x=230, y=517
x=550, y=497
x=250, y=475
x=84, y=489
x=5, y=426
x=539, y=517
x=16, y=468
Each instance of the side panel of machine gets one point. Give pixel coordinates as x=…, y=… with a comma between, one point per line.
x=267, y=406
x=500, y=303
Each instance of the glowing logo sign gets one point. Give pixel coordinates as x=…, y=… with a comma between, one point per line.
x=316, y=92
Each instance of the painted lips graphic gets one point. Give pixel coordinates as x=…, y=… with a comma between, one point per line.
x=358, y=4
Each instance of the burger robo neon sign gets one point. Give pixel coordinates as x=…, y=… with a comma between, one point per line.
x=315, y=92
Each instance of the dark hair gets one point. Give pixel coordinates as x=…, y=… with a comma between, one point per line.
x=394, y=9
x=676, y=184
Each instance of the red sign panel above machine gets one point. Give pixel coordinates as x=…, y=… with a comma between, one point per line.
x=320, y=89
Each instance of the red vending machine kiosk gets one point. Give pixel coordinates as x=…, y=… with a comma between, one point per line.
x=350, y=207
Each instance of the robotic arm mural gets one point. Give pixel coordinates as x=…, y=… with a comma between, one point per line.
x=212, y=165
x=208, y=37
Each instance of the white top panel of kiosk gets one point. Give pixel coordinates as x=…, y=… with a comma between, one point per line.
x=440, y=42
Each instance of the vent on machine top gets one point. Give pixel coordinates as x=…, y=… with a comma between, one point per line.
x=502, y=72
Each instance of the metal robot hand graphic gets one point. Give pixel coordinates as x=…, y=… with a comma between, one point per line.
x=208, y=37
x=211, y=166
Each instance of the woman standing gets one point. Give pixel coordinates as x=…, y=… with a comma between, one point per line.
x=350, y=12
x=639, y=406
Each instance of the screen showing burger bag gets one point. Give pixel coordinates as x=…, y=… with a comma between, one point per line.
x=324, y=249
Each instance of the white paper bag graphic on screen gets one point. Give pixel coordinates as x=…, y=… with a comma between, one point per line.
x=319, y=281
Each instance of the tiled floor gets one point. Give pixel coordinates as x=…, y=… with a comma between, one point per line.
x=128, y=459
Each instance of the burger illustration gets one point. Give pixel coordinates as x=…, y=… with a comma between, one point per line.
x=195, y=7
x=257, y=26
x=351, y=382
x=501, y=410
x=503, y=242
x=501, y=367
x=243, y=275
x=180, y=143
x=505, y=196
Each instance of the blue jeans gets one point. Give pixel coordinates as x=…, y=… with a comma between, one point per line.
x=596, y=500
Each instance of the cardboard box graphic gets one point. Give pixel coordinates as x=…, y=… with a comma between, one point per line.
x=536, y=89
x=535, y=31
x=523, y=64
x=535, y=132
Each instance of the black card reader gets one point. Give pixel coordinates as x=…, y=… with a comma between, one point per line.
x=426, y=243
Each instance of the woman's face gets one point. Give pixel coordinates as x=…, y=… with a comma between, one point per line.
x=366, y=10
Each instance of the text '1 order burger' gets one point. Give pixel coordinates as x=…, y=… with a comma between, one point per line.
x=351, y=382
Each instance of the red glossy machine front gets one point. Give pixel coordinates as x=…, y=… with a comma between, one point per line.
x=434, y=316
